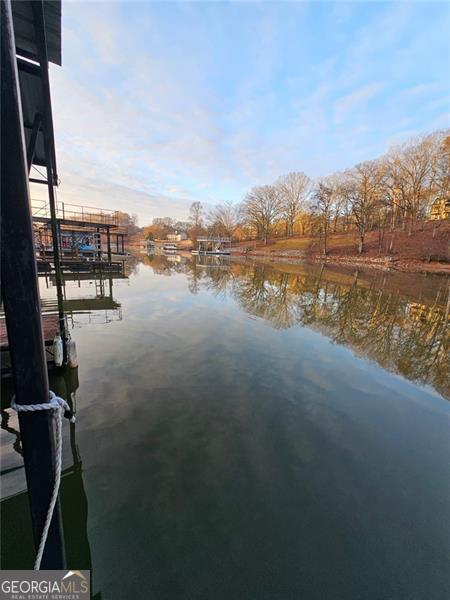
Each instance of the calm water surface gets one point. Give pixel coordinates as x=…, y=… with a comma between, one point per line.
x=252, y=432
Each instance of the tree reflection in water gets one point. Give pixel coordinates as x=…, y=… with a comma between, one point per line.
x=401, y=322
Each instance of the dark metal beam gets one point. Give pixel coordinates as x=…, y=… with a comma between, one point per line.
x=41, y=44
x=108, y=242
x=32, y=143
x=56, y=245
x=25, y=54
x=21, y=304
x=99, y=244
x=28, y=67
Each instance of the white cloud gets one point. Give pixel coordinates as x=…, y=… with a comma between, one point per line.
x=82, y=190
x=145, y=121
x=354, y=101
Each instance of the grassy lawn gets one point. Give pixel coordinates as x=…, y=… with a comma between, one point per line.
x=304, y=242
x=298, y=243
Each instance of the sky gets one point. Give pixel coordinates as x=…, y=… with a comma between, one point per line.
x=159, y=104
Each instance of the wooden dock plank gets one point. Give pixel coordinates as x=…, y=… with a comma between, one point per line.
x=50, y=326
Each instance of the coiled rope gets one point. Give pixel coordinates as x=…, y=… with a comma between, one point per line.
x=58, y=406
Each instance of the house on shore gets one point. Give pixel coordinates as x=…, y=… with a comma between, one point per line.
x=440, y=209
x=177, y=236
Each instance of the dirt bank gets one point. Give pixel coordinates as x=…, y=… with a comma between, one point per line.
x=424, y=251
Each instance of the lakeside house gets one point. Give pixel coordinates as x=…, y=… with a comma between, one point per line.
x=177, y=236
x=440, y=209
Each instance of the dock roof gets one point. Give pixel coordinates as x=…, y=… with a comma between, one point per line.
x=37, y=35
x=26, y=34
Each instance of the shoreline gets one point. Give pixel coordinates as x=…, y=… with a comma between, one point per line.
x=385, y=263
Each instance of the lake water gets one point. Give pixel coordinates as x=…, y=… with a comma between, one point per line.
x=249, y=431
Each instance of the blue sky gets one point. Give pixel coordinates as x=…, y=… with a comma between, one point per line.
x=160, y=104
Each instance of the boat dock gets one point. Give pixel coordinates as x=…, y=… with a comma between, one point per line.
x=83, y=232
x=214, y=245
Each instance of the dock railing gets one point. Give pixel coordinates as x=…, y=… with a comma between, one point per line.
x=75, y=212
x=205, y=238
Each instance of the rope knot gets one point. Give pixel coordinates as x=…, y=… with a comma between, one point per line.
x=54, y=403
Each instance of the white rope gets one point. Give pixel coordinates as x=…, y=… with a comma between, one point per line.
x=59, y=406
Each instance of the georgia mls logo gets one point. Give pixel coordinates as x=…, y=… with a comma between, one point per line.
x=45, y=585
x=70, y=573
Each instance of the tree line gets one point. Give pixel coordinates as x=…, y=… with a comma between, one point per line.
x=395, y=191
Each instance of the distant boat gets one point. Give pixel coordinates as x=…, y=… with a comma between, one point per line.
x=212, y=252
x=170, y=248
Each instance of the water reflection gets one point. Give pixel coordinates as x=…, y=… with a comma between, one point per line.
x=376, y=314
x=223, y=449
x=86, y=298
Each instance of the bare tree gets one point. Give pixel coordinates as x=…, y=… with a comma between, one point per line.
x=339, y=184
x=262, y=206
x=365, y=193
x=412, y=174
x=128, y=222
x=394, y=189
x=293, y=189
x=195, y=220
x=323, y=208
x=224, y=218
x=196, y=214
x=441, y=166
